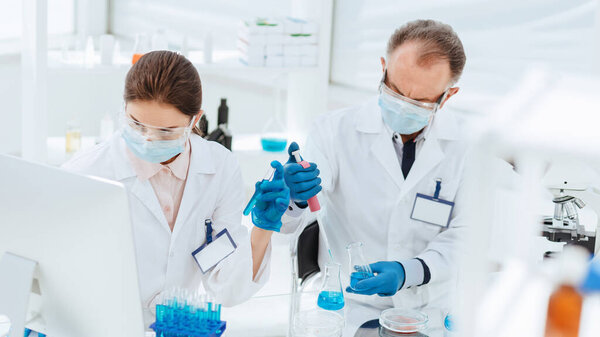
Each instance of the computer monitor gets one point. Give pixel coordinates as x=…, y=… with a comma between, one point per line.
x=78, y=230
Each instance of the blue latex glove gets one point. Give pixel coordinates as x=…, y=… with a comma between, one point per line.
x=304, y=183
x=272, y=201
x=389, y=278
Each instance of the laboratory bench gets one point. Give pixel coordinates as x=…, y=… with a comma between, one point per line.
x=268, y=316
x=267, y=313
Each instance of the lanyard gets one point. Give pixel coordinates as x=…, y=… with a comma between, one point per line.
x=438, y=187
x=209, y=230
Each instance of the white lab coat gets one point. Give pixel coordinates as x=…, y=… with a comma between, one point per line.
x=366, y=198
x=214, y=190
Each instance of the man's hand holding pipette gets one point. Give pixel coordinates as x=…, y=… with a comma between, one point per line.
x=304, y=182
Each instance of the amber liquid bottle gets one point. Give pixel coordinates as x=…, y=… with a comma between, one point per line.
x=566, y=302
x=564, y=312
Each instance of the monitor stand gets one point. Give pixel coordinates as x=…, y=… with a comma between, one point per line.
x=17, y=275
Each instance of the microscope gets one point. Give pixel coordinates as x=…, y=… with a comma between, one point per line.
x=221, y=134
x=569, y=198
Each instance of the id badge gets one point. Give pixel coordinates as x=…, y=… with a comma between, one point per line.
x=432, y=209
x=210, y=254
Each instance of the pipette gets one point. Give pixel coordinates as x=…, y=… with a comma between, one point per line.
x=313, y=203
x=257, y=193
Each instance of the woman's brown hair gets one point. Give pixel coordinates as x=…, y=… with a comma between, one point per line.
x=165, y=77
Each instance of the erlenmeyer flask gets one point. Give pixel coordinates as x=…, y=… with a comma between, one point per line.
x=359, y=268
x=331, y=296
x=274, y=136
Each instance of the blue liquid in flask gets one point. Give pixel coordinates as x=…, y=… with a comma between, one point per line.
x=358, y=276
x=331, y=300
x=273, y=144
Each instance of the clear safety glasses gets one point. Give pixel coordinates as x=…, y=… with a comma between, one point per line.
x=151, y=132
x=383, y=88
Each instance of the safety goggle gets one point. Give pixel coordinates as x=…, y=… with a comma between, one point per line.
x=151, y=132
x=432, y=106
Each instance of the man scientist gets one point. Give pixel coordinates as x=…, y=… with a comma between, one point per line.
x=390, y=173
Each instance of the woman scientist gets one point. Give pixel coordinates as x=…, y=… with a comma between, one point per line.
x=186, y=194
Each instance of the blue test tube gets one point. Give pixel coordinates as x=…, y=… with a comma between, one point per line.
x=218, y=318
x=268, y=176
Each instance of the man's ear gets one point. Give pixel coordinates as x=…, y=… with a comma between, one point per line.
x=382, y=64
x=451, y=92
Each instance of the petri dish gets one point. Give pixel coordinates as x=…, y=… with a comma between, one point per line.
x=403, y=320
x=318, y=323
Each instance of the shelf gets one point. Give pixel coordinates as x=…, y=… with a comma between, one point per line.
x=226, y=63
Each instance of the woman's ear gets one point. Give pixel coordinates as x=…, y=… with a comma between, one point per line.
x=198, y=116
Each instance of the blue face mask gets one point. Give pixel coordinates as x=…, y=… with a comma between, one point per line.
x=154, y=151
x=403, y=117
x=402, y=114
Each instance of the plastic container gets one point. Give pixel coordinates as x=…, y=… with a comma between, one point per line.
x=403, y=320
x=317, y=323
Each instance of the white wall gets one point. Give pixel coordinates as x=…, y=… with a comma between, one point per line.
x=502, y=40
x=190, y=17
x=88, y=94
x=10, y=107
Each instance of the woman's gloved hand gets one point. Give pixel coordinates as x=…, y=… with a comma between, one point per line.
x=304, y=183
x=389, y=278
x=272, y=201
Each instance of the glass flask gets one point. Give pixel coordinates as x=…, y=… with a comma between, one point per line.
x=331, y=296
x=358, y=267
x=274, y=136
x=141, y=46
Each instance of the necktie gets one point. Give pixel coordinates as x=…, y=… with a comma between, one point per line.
x=408, y=156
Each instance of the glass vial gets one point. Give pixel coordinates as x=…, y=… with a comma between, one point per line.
x=358, y=266
x=331, y=296
x=72, y=137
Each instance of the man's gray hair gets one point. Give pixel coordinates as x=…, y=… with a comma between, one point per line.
x=438, y=42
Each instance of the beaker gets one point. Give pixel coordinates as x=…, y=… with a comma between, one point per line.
x=331, y=296
x=274, y=136
x=358, y=267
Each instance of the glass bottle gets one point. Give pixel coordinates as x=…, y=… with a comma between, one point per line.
x=358, y=267
x=331, y=296
x=72, y=137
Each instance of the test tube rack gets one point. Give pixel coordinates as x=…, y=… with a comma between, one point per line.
x=188, y=321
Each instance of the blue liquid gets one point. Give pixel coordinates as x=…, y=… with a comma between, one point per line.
x=449, y=323
x=358, y=276
x=273, y=144
x=331, y=300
